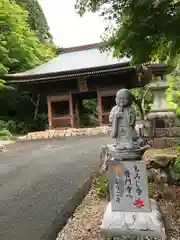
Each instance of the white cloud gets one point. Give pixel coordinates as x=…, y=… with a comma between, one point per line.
x=67, y=27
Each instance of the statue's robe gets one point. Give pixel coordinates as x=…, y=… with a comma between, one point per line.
x=123, y=127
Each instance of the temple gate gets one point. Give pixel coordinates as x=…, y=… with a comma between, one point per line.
x=81, y=73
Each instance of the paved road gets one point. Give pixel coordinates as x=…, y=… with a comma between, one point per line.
x=37, y=179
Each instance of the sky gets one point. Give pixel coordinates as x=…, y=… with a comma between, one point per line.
x=67, y=27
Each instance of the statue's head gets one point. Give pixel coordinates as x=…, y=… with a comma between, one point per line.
x=123, y=98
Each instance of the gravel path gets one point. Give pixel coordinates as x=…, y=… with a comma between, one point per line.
x=37, y=181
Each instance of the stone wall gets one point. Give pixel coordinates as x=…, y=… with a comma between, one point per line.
x=105, y=130
x=166, y=137
x=165, y=142
x=168, y=132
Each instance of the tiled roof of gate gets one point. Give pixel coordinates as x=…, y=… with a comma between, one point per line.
x=73, y=59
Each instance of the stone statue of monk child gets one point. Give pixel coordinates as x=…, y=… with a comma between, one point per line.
x=123, y=121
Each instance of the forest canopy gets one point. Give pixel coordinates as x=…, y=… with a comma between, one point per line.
x=36, y=19
x=20, y=48
x=144, y=30
x=25, y=42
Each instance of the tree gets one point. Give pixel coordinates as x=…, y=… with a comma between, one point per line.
x=36, y=19
x=143, y=30
x=20, y=49
x=142, y=100
x=2, y=84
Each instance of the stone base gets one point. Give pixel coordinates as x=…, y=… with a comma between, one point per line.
x=2, y=148
x=126, y=154
x=140, y=224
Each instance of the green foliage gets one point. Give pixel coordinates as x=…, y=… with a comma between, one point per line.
x=20, y=49
x=150, y=188
x=91, y=111
x=144, y=30
x=5, y=86
x=178, y=148
x=38, y=124
x=173, y=92
x=22, y=127
x=143, y=101
x=17, y=110
x=10, y=126
x=175, y=168
x=3, y=125
x=177, y=164
x=91, y=106
x=36, y=19
x=101, y=186
x=4, y=138
x=5, y=134
x=2, y=84
x=25, y=42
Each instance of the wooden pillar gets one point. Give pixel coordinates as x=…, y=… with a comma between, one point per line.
x=49, y=112
x=81, y=112
x=77, y=113
x=99, y=100
x=71, y=110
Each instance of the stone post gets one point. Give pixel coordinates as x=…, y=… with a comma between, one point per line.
x=130, y=212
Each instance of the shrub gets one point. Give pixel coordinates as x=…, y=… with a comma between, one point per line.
x=178, y=148
x=3, y=125
x=12, y=126
x=4, y=138
x=150, y=188
x=177, y=166
x=101, y=186
x=16, y=127
x=22, y=127
x=38, y=124
x=5, y=134
x=175, y=169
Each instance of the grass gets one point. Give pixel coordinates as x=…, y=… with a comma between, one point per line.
x=101, y=187
x=5, y=138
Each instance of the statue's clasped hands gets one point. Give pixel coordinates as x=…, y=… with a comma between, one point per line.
x=119, y=115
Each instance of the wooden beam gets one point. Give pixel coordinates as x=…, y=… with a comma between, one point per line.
x=99, y=100
x=71, y=110
x=82, y=83
x=106, y=92
x=59, y=98
x=49, y=112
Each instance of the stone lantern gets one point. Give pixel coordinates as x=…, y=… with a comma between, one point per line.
x=160, y=108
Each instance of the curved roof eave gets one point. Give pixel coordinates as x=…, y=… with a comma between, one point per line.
x=85, y=71
x=66, y=76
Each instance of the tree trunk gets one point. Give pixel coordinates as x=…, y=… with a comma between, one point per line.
x=141, y=110
x=36, y=106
